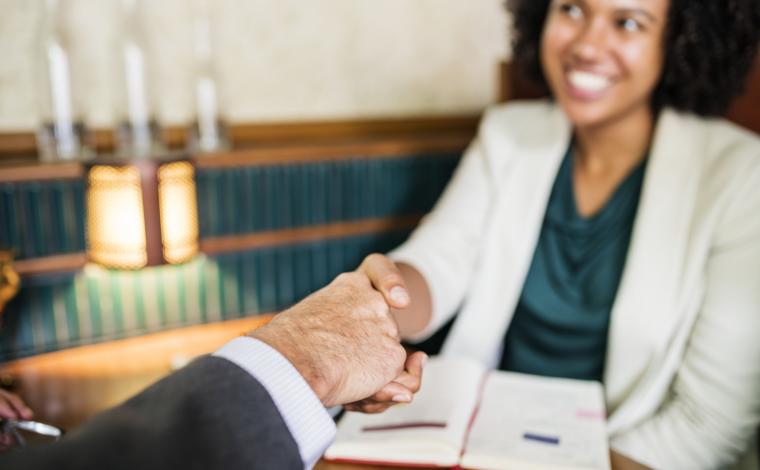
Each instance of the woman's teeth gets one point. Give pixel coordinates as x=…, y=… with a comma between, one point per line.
x=587, y=81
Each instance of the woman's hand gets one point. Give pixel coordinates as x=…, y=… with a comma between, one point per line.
x=401, y=390
x=386, y=279
x=404, y=290
x=11, y=407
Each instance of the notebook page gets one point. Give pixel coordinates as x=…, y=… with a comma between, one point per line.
x=537, y=422
x=429, y=430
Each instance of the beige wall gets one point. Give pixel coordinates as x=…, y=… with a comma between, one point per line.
x=277, y=59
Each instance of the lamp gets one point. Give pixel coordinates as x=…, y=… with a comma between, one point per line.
x=9, y=279
x=141, y=213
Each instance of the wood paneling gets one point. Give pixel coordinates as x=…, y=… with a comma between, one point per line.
x=324, y=152
x=746, y=109
x=40, y=172
x=22, y=146
x=50, y=264
x=218, y=245
x=251, y=241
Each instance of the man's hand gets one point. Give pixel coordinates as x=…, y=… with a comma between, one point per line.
x=342, y=339
x=399, y=391
x=11, y=407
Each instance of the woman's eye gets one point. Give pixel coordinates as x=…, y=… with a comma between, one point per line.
x=629, y=24
x=571, y=10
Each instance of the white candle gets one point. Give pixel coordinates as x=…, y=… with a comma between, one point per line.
x=60, y=97
x=207, y=114
x=137, y=99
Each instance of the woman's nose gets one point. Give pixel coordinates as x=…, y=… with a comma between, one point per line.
x=591, y=42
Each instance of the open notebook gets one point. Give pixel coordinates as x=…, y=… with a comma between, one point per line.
x=468, y=416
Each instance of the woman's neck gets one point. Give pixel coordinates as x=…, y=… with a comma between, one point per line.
x=615, y=147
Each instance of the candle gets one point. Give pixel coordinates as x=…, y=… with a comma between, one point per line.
x=207, y=114
x=137, y=100
x=60, y=96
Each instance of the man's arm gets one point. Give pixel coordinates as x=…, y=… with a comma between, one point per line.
x=258, y=403
x=210, y=414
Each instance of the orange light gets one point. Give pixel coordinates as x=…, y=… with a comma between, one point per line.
x=178, y=211
x=141, y=214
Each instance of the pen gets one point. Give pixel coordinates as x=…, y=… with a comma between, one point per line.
x=541, y=438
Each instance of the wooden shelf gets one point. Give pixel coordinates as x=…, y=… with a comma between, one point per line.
x=20, y=147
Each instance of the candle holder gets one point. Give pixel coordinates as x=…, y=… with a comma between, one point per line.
x=138, y=134
x=208, y=132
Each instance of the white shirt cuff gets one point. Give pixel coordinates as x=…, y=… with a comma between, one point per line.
x=303, y=413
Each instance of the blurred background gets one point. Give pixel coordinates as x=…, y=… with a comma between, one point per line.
x=284, y=60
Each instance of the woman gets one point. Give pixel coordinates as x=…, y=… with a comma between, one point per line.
x=612, y=233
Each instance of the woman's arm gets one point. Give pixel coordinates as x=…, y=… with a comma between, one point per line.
x=438, y=260
x=713, y=406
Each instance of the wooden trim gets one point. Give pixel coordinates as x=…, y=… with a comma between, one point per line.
x=50, y=264
x=514, y=85
x=353, y=129
x=746, y=109
x=250, y=241
x=23, y=144
x=334, y=152
x=41, y=172
x=18, y=143
x=217, y=245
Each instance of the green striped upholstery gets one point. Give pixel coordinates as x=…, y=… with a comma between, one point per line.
x=95, y=305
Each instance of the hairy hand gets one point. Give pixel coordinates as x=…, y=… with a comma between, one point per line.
x=342, y=339
x=401, y=390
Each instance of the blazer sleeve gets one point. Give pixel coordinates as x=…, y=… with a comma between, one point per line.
x=714, y=405
x=210, y=414
x=445, y=246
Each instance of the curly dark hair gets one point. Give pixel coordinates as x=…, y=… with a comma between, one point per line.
x=710, y=48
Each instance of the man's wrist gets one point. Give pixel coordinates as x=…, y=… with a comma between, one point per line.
x=303, y=364
x=311, y=426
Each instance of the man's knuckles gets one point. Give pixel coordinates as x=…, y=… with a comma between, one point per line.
x=352, y=278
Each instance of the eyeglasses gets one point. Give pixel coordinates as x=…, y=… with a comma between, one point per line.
x=33, y=430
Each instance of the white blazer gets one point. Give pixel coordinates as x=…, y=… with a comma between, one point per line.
x=682, y=374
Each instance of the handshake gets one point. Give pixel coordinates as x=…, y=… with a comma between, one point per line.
x=345, y=342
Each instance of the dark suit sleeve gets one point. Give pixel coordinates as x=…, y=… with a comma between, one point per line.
x=209, y=415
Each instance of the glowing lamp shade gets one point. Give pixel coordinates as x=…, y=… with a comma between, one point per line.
x=141, y=214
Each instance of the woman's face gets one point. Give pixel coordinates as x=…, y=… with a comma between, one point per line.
x=603, y=58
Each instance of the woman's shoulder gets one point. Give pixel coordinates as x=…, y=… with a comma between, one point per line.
x=523, y=128
x=717, y=140
x=727, y=155
x=523, y=116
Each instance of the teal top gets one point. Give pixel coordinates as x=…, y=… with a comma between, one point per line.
x=559, y=328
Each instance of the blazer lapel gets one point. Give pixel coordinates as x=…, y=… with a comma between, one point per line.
x=646, y=309
x=523, y=193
